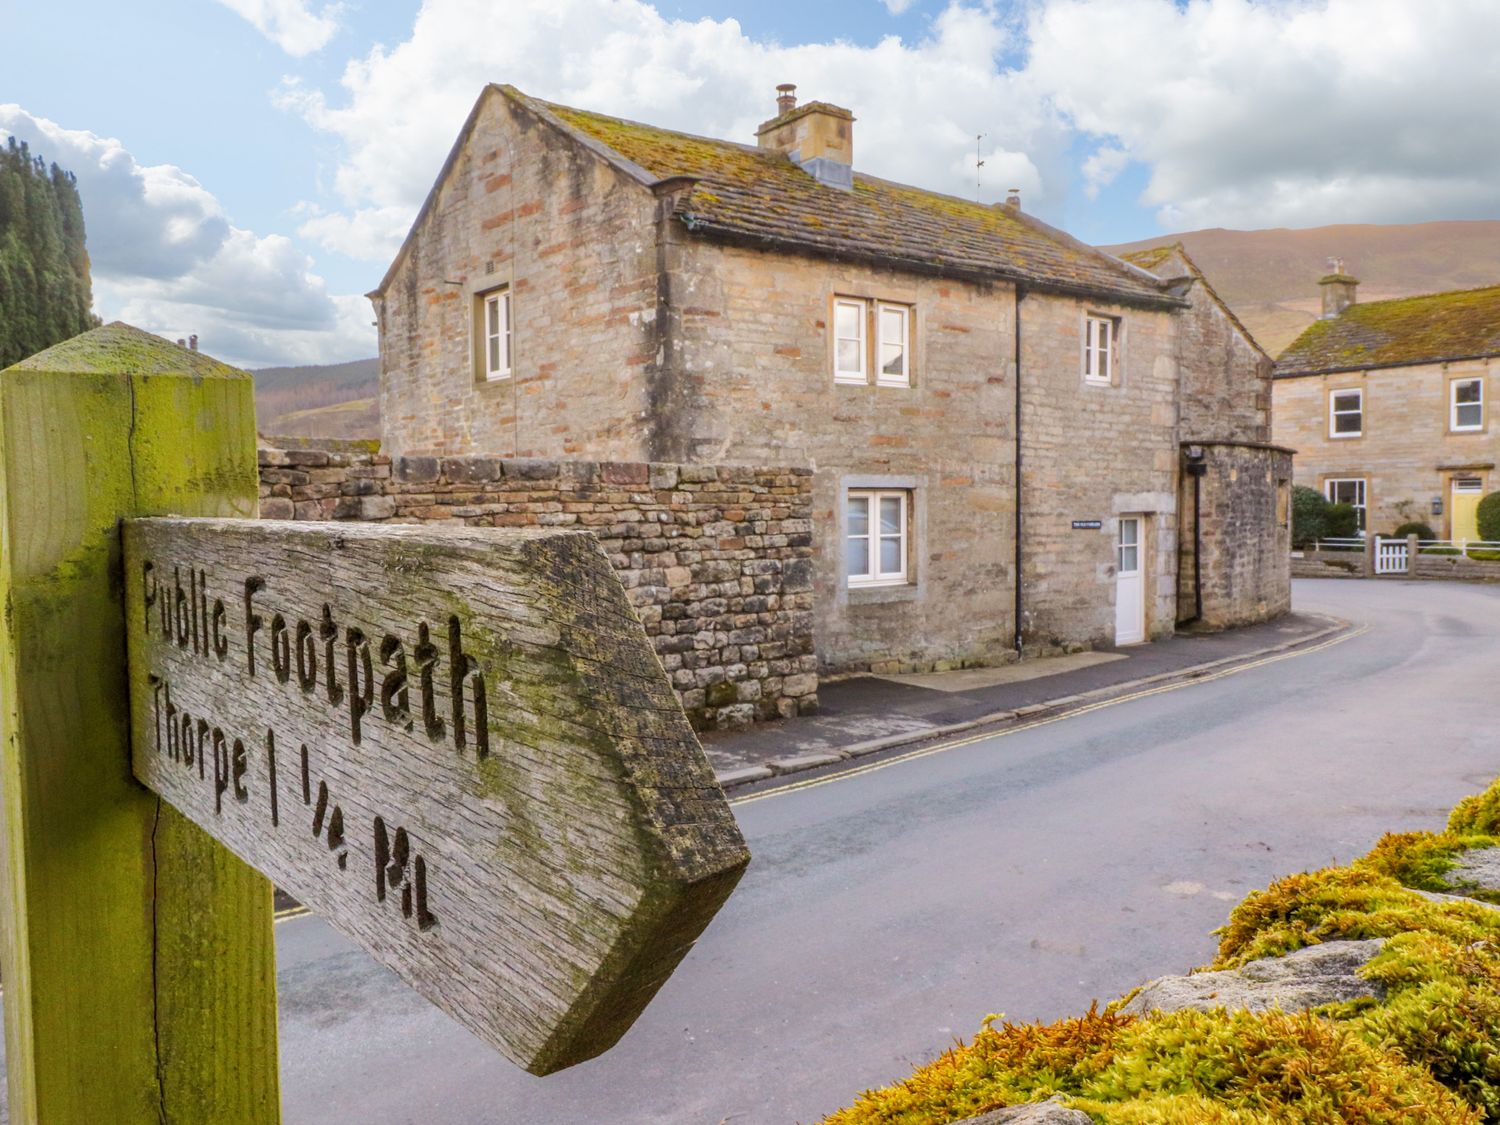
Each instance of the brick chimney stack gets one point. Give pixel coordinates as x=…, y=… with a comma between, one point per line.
x=818, y=137
x=1338, y=290
x=1013, y=197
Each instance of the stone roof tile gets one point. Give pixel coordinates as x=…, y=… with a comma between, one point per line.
x=745, y=194
x=1432, y=328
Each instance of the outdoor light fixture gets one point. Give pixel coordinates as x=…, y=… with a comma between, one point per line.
x=1437, y=505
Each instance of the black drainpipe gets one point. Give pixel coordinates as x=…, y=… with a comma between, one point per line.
x=1197, y=466
x=1020, y=603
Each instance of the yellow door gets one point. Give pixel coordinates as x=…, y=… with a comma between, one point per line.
x=1467, y=492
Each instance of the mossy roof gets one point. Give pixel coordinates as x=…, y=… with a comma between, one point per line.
x=745, y=194
x=1433, y=328
x=121, y=349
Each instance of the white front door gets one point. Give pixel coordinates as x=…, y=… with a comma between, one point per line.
x=1130, y=585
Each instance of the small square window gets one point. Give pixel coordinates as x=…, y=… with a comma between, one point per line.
x=1101, y=344
x=876, y=530
x=1346, y=414
x=493, y=335
x=1468, y=404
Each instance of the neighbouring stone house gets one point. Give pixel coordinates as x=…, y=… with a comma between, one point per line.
x=578, y=286
x=1387, y=403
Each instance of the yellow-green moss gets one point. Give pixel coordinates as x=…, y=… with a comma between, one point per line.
x=1425, y=329
x=1428, y=1051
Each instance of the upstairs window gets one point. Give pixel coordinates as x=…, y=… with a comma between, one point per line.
x=894, y=347
x=1467, y=404
x=849, y=318
x=877, y=539
x=1100, y=345
x=1346, y=414
x=494, y=335
x=872, y=335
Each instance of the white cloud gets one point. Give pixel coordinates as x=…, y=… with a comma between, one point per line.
x=290, y=24
x=1283, y=112
x=1102, y=167
x=165, y=258
x=897, y=7
x=368, y=234
x=919, y=105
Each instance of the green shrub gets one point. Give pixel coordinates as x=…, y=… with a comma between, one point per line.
x=1489, y=518
x=1342, y=521
x=1309, y=516
x=1414, y=527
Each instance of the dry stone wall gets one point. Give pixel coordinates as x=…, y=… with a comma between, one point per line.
x=717, y=560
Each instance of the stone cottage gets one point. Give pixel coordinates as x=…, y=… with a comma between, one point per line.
x=980, y=396
x=1387, y=403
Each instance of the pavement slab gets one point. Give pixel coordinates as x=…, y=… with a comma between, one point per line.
x=870, y=714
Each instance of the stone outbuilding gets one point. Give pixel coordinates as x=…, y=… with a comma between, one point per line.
x=1388, y=405
x=1004, y=425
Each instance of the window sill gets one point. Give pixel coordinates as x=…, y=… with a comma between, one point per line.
x=851, y=381
x=1466, y=430
x=886, y=592
x=1090, y=381
x=901, y=384
x=1346, y=437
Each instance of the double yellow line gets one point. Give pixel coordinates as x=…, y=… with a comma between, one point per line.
x=1005, y=732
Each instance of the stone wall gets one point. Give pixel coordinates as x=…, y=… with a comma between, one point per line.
x=1244, y=534
x=575, y=241
x=1093, y=452
x=717, y=560
x=751, y=373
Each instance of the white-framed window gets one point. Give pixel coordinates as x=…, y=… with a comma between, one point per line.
x=893, y=345
x=494, y=334
x=877, y=523
x=1347, y=490
x=1101, y=345
x=1467, y=404
x=849, y=350
x=1346, y=413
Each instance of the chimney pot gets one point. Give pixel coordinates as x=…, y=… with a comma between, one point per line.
x=181, y=343
x=193, y=342
x=817, y=137
x=1338, y=290
x=1013, y=197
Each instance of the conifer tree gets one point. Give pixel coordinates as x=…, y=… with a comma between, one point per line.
x=46, y=295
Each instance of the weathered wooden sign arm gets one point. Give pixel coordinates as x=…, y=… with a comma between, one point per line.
x=460, y=748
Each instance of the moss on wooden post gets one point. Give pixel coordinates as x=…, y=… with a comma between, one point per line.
x=139, y=967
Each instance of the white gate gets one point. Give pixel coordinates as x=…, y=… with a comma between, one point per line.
x=1390, y=556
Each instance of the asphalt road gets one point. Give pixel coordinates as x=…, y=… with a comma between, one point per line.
x=886, y=913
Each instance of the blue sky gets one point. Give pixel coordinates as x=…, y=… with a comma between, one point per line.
x=249, y=166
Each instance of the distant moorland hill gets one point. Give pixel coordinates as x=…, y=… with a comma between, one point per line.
x=1270, y=277
x=339, y=400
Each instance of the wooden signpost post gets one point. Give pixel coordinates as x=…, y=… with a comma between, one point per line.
x=458, y=747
